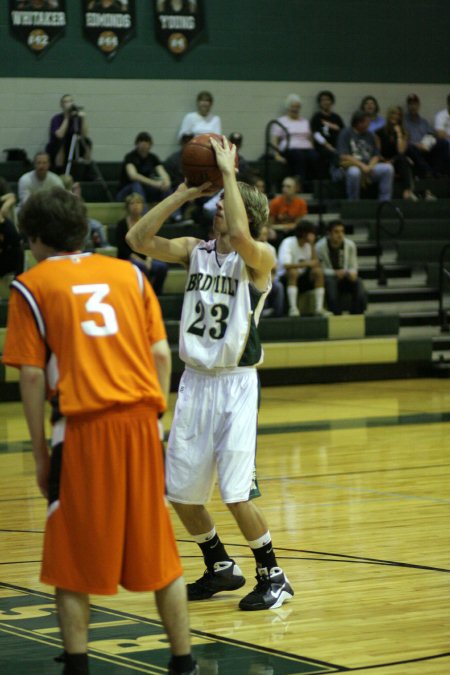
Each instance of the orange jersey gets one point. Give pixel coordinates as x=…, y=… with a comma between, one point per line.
x=89, y=321
x=283, y=211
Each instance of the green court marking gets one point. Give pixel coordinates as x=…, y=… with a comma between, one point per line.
x=304, y=427
x=356, y=423
x=15, y=446
x=121, y=643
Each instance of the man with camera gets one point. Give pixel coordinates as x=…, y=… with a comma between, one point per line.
x=68, y=135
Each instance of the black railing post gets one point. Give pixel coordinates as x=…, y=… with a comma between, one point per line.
x=320, y=207
x=270, y=146
x=381, y=274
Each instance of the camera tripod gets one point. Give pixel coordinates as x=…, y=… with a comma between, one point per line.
x=74, y=156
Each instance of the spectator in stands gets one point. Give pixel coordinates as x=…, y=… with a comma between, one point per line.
x=369, y=105
x=7, y=200
x=393, y=144
x=259, y=183
x=96, y=237
x=294, y=145
x=11, y=250
x=274, y=304
x=288, y=207
x=143, y=172
x=38, y=179
x=155, y=270
x=203, y=121
x=64, y=126
x=338, y=257
x=325, y=127
x=430, y=154
x=360, y=160
x=299, y=268
x=442, y=124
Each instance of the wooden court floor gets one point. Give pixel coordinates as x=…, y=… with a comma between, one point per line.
x=355, y=483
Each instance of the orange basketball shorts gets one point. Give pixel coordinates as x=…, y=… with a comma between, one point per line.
x=108, y=523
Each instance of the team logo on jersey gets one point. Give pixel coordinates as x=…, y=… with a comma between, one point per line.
x=109, y=23
x=179, y=24
x=219, y=284
x=37, y=23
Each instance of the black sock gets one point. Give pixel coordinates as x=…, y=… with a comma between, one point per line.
x=213, y=551
x=265, y=556
x=76, y=664
x=182, y=664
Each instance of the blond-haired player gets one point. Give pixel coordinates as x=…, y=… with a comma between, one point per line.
x=215, y=420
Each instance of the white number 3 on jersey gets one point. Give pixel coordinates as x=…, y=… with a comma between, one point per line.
x=94, y=304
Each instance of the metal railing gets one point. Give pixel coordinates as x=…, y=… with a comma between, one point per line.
x=444, y=276
x=269, y=146
x=381, y=274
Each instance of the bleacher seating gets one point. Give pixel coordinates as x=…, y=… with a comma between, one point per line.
x=415, y=249
x=320, y=349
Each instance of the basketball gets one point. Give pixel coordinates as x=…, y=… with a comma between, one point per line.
x=199, y=164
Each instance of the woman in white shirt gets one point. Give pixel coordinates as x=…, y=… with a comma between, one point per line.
x=296, y=146
x=203, y=121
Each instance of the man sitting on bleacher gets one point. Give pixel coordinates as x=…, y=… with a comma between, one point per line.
x=360, y=162
x=337, y=255
x=143, y=172
x=288, y=207
x=38, y=179
x=299, y=268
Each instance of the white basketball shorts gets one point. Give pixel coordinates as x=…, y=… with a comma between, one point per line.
x=214, y=430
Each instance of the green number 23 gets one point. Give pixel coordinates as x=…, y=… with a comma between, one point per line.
x=218, y=312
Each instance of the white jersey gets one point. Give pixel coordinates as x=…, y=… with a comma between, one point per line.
x=221, y=310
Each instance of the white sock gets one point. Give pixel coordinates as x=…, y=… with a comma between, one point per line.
x=262, y=541
x=319, y=295
x=203, y=538
x=292, y=293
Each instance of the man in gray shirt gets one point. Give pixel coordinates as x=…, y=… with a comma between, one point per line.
x=359, y=160
x=337, y=255
x=38, y=179
x=429, y=153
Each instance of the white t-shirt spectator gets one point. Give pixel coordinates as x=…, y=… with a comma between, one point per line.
x=442, y=121
x=290, y=253
x=29, y=184
x=194, y=123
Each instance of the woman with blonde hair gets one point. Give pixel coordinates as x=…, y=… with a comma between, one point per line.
x=393, y=143
x=154, y=270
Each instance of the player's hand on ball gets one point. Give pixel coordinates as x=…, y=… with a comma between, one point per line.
x=225, y=155
x=195, y=192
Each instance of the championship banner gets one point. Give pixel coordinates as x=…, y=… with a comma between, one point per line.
x=109, y=23
x=37, y=23
x=179, y=24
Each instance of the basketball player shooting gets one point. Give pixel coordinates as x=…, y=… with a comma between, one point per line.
x=215, y=418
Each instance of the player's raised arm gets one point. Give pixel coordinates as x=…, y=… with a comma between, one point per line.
x=257, y=255
x=142, y=237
